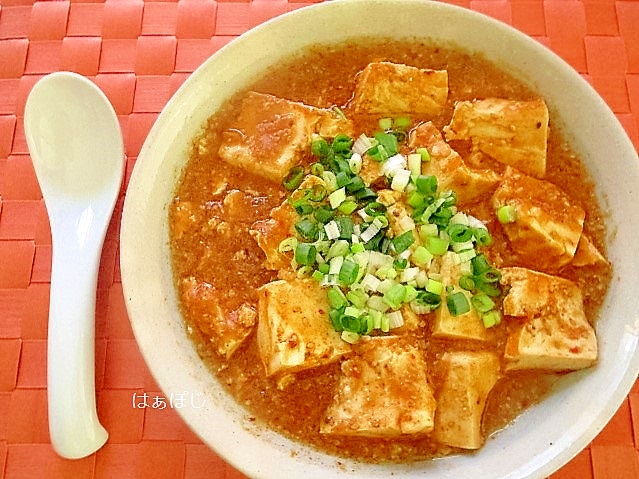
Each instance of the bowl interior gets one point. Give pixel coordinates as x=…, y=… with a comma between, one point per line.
x=542, y=439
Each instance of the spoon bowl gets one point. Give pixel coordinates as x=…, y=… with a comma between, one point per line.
x=77, y=150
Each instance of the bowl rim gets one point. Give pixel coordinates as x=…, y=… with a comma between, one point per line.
x=178, y=107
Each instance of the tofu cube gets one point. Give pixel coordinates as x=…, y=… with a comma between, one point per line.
x=382, y=392
x=385, y=88
x=448, y=166
x=294, y=331
x=547, y=226
x=512, y=132
x=271, y=134
x=587, y=254
x=228, y=328
x=464, y=326
x=269, y=233
x=468, y=379
x=554, y=333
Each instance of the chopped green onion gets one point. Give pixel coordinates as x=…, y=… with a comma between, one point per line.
x=482, y=236
x=345, y=225
x=402, y=122
x=457, y=303
x=336, y=298
x=323, y=214
x=317, y=169
x=375, y=208
x=304, y=209
x=365, y=194
x=357, y=248
x=351, y=323
x=307, y=229
x=355, y=184
x=385, y=123
x=287, y=244
x=466, y=255
x=388, y=141
x=350, y=337
x=395, y=296
x=318, y=193
x=352, y=311
x=378, y=153
x=400, y=180
x=429, y=299
x=467, y=282
x=332, y=230
x=421, y=256
x=491, y=275
x=507, y=214
x=491, y=318
x=348, y=272
x=403, y=242
x=338, y=248
x=427, y=230
x=434, y=286
x=395, y=320
x=490, y=289
x=305, y=254
x=424, y=153
x=337, y=197
x=482, y=302
x=362, y=144
x=400, y=263
x=426, y=184
x=342, y=143
x=342, y=178
x=335, y=315
x=436, y=245
x=414, y=161
x=355, y=163
x=385, y=326
x=319, y=146
x=357, y=297
x=376, y=303
x=386, y=272
x=480, y=264
x=459, y=233
x=416, y=200
x=347, y=207
x=293, y=178
x=329, y=180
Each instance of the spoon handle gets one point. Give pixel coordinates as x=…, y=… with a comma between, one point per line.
x=74, y=426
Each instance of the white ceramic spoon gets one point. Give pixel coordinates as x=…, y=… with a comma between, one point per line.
x=77, y=150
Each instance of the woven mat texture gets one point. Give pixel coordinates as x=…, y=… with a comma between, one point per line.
x=139, y=53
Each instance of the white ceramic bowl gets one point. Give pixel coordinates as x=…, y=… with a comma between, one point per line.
x=543, y=438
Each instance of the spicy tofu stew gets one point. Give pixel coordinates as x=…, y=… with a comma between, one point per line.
x=387, y=250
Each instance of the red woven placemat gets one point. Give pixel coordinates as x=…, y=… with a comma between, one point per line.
x=139, y=53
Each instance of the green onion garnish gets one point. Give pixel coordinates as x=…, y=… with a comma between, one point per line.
x=491, y=318
x=402, y=242
x=319, y=146
x=305, y=254
x=426, y=184
x=482, y=302
x=307, y=229
x=457, y=303
x=388, y=141
x=348, y=272
x=293, y=178
x=506, y=214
